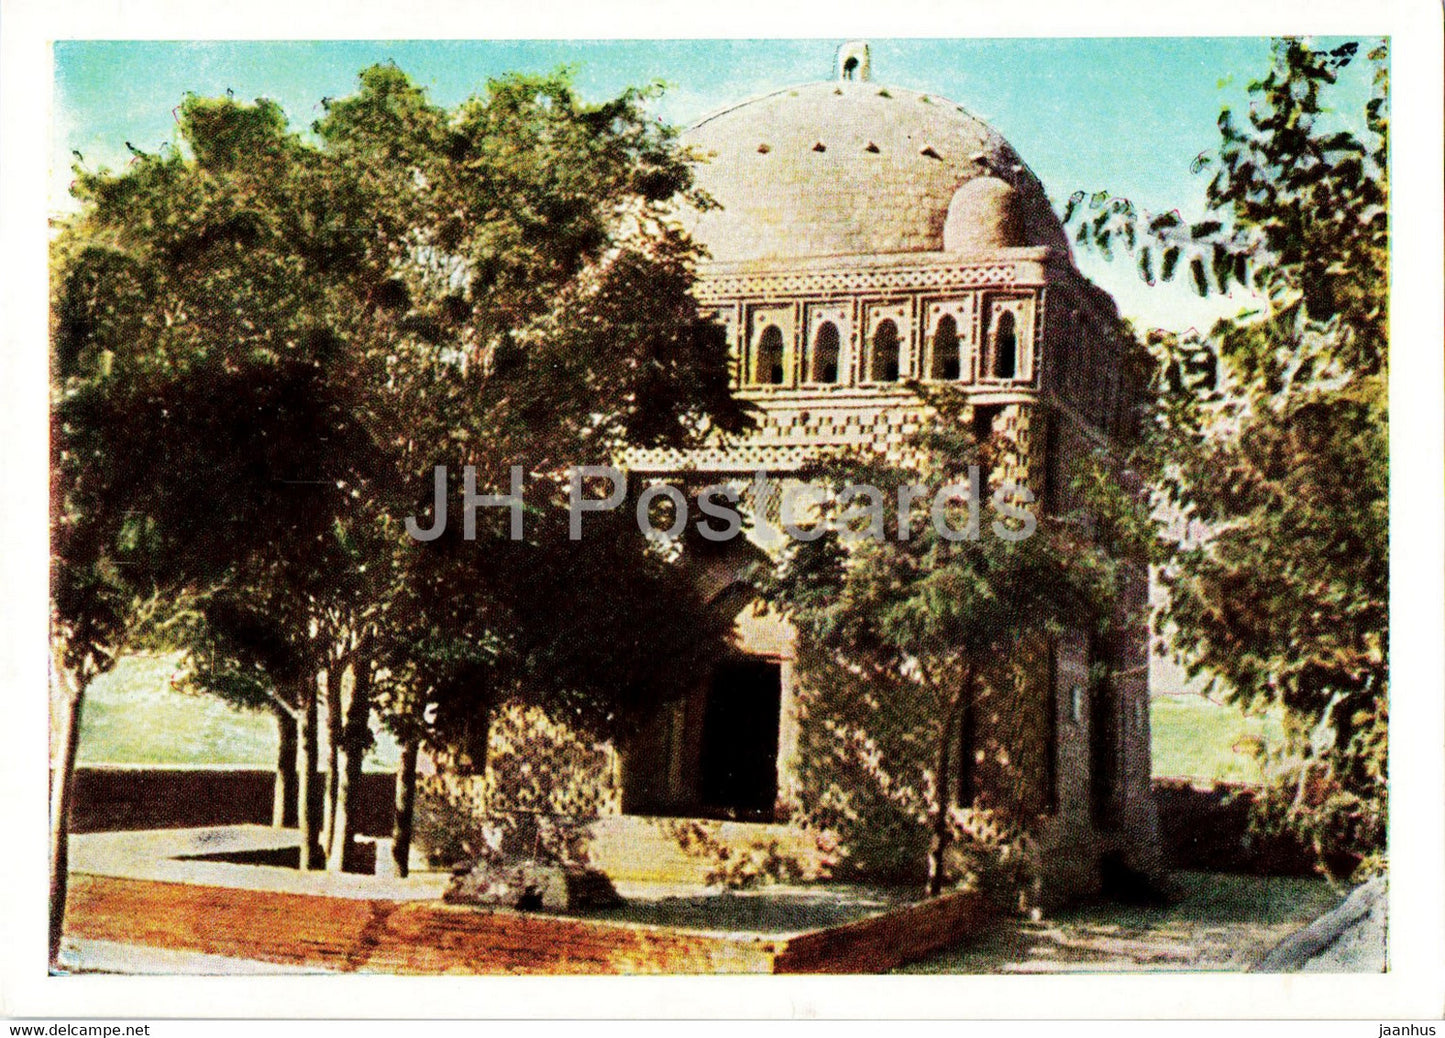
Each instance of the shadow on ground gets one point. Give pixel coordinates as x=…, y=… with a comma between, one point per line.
x=1221, y=923
x=768, y=910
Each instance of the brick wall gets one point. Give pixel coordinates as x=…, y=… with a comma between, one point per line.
x=425, y=937
x=1208, y=828
x=110, y=798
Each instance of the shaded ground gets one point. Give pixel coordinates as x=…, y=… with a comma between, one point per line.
x=1222, y=923
x=768, y=910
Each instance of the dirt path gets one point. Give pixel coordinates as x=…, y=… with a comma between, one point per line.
x=1223, y=922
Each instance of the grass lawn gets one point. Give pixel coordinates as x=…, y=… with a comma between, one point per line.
x=134, y=716
x=1221, y=922
x=1197, y=738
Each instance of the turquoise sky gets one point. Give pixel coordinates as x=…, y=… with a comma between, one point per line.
x=1123, y=115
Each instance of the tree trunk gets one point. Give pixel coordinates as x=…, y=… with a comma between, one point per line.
x=966, y=783
x=283, y=793
x=308, y=788
x=405, y=806
x=479, y=739
x=354, y=740
x=333, y=752
x=942, y=781
x=61, y=793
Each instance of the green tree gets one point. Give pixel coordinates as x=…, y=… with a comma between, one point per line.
x=208, y=269
x=550, y=320
x=313, y=323
x=933, y=621
x=134, y=534
x=1269, y=442
x=547, y=300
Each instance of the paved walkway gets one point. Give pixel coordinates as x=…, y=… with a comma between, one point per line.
x=1350, y=939
x=82, y=955
x=200, y=856
x=1222, y=923
x=226, y=856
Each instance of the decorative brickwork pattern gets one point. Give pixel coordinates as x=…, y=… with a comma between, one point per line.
x=713, y=288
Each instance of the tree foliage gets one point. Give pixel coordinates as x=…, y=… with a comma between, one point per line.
x=1269, y=445
x=932, y=622
x=266, y=340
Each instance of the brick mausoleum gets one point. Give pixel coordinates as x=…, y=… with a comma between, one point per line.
x=867, y=235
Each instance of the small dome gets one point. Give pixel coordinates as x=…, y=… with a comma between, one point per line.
x=850, y=167
x=985, y=214
x=854, y=61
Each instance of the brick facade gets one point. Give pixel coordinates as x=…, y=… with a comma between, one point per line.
x=868, y=237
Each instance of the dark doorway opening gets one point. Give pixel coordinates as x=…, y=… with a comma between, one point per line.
x=968, y=754
x=739, y=766
x=1104, y=751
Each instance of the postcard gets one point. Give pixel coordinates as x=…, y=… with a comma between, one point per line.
x=684, y=505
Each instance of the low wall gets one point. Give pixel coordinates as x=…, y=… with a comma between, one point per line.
x=115, y=797
x=1207, y=828
x=883, y=942
x=427, y=937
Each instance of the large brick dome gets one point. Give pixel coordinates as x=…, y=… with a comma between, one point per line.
x=854, y=167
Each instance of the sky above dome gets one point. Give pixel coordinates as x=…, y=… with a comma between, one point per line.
x=1127, y=116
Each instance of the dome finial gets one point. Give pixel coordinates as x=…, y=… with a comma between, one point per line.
x=853, y=60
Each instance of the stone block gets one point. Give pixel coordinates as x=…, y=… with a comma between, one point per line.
x=532, y=885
